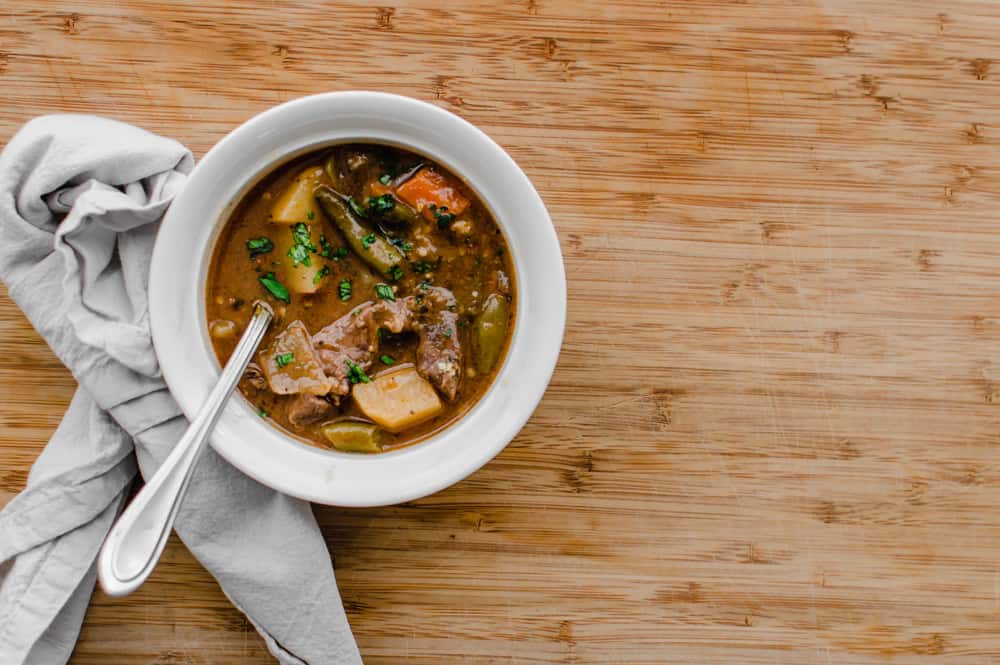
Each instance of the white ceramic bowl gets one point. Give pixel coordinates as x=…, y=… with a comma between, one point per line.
x=180, y=265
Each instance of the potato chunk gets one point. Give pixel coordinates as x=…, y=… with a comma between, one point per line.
x=297, y=203
x=300, y=276
x=398, y=399
x=290, y=363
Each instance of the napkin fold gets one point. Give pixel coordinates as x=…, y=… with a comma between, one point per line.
x=80, y=202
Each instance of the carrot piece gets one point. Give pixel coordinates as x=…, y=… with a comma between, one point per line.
x=427, y=187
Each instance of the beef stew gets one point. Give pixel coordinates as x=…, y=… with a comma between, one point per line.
x=393, y=291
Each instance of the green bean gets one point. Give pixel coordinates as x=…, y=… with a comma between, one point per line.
x=491, y=332
x=402, y=214
x=353, y=437
x=373, y=248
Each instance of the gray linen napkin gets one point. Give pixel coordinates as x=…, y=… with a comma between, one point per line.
x=80, y=198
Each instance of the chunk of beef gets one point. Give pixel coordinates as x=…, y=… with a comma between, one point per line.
x=354, y=337
x=290, y=363
x=306, y=409
x=439, y=354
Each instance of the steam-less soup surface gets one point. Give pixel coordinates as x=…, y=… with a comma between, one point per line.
x=392, y=289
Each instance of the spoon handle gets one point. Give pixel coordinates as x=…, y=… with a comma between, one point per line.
x=136, y=541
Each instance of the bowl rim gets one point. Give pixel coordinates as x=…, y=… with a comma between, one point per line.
x=263, y=143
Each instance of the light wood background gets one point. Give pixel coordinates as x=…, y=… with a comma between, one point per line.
x=774, y=432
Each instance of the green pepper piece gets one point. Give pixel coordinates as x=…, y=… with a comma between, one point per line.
x=490, y=332
x=373, y=249
x=353, y=437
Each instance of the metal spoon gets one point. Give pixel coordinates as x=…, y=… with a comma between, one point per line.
x=136, y=541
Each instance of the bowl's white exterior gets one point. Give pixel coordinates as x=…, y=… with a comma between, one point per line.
x=177, y=296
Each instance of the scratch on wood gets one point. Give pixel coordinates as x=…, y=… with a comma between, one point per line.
x=980, y=68
x=383, y=17
x=70, y=24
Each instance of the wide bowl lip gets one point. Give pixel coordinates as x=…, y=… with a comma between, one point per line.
x=537, y=356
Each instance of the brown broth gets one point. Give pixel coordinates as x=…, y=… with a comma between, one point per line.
x=471, y=266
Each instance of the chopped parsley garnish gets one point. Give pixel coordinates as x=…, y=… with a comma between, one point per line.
x=358, y=210
x=284, y=358
x=385, y=179
x=422, y=266
x=448, y=332
x=387, y=360
x=424, y=285
x=310, y=215
x=401, y=244
x=274, y=287
x=259, y=246
x=385, y=292
x=339, y=253
x=300, y=233
x=299, y=254
x=320, y=274
x=443, y=217
x=368, y=240
x=380, y=205
x=395, y=273
x=325, y=248
x=355, y=374
x=345, y=289
x=261, y=412
x=302, y=245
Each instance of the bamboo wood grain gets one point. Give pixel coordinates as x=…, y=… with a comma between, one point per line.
x=773, y=435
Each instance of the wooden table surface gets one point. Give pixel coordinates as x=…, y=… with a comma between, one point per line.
x=774, y=432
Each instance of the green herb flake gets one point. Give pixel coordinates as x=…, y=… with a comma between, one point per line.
x=325, y=248
x=385, y=292
x=320, y=274
x=395, y=273
x=301, y=245
x=344, y=289
x=424, y=285
x=355, y=374
x=387, y=360
x=401, y=244
x=339, y=253
x=448, y=332
x=274, y=287
x=299, y=254
x=310, y=215
x=261, y=412
x=368, y=240
x=444, y=218
x=380, y=205
x=258, y=246
x=421, y=266
x=385, y=179
x=282, y=359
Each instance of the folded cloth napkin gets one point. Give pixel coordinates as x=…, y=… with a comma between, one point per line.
x=80, y=198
